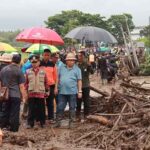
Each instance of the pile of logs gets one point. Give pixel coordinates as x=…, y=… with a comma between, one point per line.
x=124, y=119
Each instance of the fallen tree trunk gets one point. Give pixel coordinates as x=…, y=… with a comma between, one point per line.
x=100, y=119
x=103, y=93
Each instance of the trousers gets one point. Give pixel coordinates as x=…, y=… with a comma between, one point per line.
x=36, y=111
x=62, y=103
x=50, y=103
x=9, y=114
x=85, y=99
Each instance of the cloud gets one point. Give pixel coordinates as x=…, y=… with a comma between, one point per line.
x=16, y=14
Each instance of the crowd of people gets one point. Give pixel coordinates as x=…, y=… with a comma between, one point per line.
x=61, y=78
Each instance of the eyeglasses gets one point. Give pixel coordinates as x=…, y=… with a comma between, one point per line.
x=34, y=62
x=71, y=60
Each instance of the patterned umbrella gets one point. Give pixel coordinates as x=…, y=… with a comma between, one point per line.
x=39, y=48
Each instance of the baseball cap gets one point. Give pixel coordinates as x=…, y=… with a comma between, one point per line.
x=34, y=58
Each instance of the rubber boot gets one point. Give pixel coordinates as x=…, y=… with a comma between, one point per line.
x=58, y=121
x=71, y=120
x=78, y=116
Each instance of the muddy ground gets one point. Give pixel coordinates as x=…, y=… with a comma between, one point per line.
x=49, y=138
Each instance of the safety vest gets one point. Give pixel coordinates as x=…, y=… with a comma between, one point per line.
x=36, y=81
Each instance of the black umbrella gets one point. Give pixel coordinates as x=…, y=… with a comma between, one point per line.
x=90, y=33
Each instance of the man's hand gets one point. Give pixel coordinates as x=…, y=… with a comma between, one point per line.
x=79, y=94
x=24, y=92
x=47, y=92
x=56, y=91
x=25, y=97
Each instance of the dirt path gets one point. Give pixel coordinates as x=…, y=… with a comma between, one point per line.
x=39, y=139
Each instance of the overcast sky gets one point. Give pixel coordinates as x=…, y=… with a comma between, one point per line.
x=19, y=14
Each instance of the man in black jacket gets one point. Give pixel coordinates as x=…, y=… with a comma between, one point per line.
x=86, y=70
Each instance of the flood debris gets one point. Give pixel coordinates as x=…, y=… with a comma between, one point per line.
x=128, y=112
x=119, y=120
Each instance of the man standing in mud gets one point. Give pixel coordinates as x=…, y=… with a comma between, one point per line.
x=51, y=71
x=12, y=77
x=37, y=87
x=86, y=70
x=70, y=85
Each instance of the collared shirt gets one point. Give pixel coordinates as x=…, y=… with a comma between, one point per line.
x=58, y=64
x=12, y=76
x=68, y=79
x=86, y=70
x=51, y=71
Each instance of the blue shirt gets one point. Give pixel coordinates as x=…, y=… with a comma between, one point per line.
x=68, y=79
x=26, y=66
x=59, y=63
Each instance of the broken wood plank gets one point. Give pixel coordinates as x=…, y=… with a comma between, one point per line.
x=84, y=136
x=135, y=87
x=117, y=114
x=117, y=121
x=104, y=93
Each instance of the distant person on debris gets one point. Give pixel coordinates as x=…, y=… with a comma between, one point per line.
x=112, y=67
x=70, y=85
x=92, y=59
x=86, y=70
x=102, y=66
x=12, y=77
x=37, y=87
x=51, y=71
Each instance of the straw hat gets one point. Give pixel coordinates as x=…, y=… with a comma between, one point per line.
x=6, y=57
x=71, y=56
